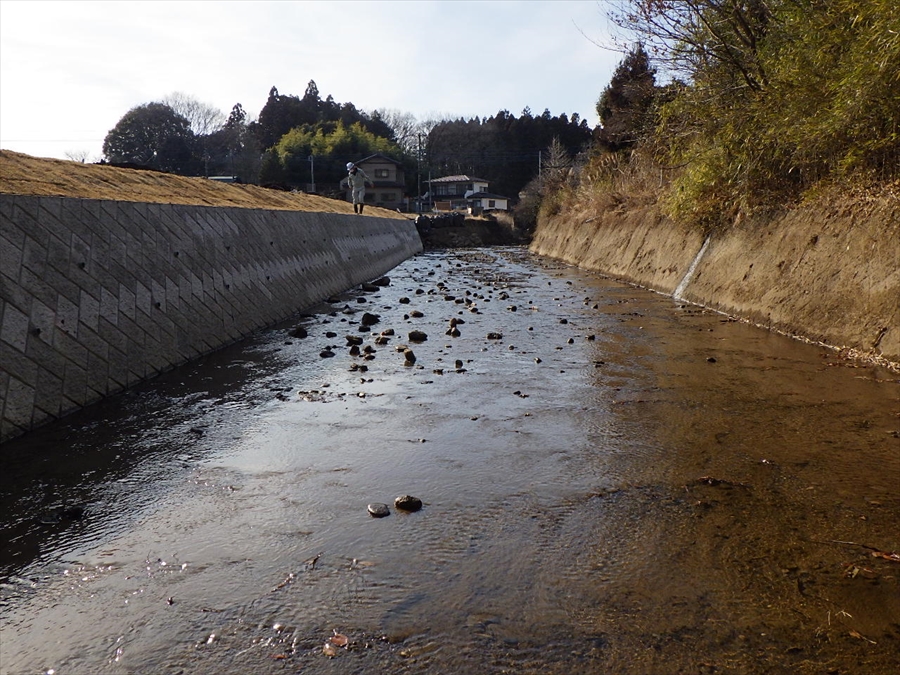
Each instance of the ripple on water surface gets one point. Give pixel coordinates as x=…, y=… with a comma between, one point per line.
x=618, y=483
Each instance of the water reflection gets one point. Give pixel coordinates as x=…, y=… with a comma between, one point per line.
x=618, y=484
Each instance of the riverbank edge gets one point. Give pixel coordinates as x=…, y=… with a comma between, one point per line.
x=98, y=295
x=827, y=272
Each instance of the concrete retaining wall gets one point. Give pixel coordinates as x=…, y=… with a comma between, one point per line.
x=825, y=272
x=98, y=295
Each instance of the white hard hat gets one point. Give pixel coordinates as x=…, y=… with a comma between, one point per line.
x=350, y=165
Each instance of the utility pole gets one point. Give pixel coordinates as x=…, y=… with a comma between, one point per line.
x=312, y=174
x=419, y=173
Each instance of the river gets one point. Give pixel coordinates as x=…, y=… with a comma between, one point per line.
x=613, y=482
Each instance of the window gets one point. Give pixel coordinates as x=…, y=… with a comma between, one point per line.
x=388, y=197
x=491, y=203
x=382, y=173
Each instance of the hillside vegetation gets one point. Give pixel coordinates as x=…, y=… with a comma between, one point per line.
x=771, y=102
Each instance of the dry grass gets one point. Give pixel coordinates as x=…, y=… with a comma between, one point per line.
x=26, y=175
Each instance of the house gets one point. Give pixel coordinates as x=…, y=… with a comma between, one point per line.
x=389, y=179
x=465, y=192
x=487, y=201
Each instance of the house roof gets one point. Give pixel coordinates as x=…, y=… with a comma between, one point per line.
x=378, y=157
x=486, y=195
x=459, y=179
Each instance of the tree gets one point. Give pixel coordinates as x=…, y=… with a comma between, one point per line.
x=333, y=145
x=237, y=118
x=696, y=37
x=78, y=155
x=777, y=96
x=278, y=116
x=204, y=119
x=625, y=104
x=154, y=136
x=502, y=149
x=233, y=149
x=404, y=126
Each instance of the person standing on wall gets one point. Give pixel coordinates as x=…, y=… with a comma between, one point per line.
x=356, y=180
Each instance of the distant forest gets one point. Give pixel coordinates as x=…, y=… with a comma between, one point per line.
x=762, y=102
x=296, y=141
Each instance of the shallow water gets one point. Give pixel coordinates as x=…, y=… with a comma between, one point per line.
x=621, y=484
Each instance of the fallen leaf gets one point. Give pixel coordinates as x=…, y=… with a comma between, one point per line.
x=893, y=557
x=853, y=633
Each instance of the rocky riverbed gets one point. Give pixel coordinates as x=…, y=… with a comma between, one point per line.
x=609, y=482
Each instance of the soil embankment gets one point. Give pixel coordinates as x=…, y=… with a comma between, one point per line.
x=827, y=271
x=40, y=177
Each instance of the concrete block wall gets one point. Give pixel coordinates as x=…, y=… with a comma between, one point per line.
x=98, y=295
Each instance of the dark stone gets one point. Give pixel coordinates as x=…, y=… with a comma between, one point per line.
x=404, y=301
x=495, y=336
x=417, y=336
x=383, y=281
x=369, y=319
x=326, y=353
x=354, y=340
x=408, y=503
x=299, y=332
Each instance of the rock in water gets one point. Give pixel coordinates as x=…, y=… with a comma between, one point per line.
x=378, y=510
x=369, y=319
x=408, y=503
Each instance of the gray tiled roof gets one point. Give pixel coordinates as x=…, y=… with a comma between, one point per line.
x=459, y=179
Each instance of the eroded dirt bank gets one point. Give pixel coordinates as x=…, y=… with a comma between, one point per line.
x=827, y=271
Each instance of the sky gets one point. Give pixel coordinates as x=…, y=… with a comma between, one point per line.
x=70, y=70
